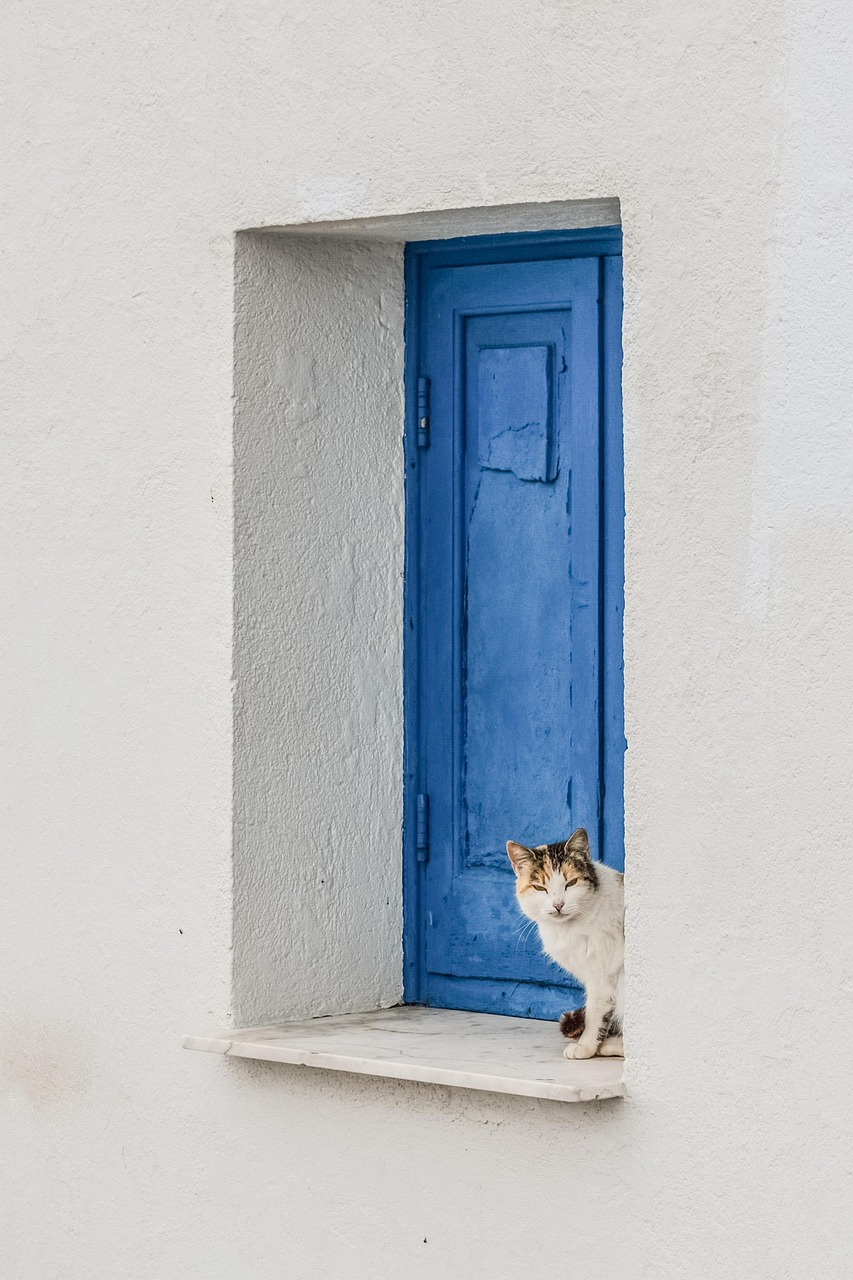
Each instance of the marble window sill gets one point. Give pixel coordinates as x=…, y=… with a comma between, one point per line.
x=439, y=1046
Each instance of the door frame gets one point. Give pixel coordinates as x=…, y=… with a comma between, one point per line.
x=605, y=243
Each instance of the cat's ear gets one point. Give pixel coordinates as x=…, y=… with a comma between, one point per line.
x=519, y=855
x=577, y=845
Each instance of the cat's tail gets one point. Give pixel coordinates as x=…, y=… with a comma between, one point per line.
x=572, y=1022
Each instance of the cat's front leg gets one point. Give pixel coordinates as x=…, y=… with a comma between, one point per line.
x=612, y=1047
x=599, y=1008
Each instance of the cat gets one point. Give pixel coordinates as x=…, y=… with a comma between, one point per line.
x=579, y=907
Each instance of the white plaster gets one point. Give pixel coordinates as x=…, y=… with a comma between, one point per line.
x=318, y=478
x=437, y=1046
x=136, y=139
x=440, y=224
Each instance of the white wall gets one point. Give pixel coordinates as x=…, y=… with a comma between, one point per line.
x=318, y=575
x=136, y=141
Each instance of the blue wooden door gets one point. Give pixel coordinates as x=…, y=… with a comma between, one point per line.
x=511, y=691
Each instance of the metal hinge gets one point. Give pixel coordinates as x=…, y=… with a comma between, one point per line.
x=423, y=413
x=422, y=828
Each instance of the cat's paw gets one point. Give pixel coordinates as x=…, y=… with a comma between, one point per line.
x=578, y=1050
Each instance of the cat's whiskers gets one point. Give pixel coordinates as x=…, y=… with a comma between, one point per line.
x=524, y=926
x=524, y=932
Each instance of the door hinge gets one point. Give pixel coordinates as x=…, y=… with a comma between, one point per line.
x=422, y=828
x=423, y=413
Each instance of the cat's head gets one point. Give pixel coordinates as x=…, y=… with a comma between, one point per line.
x=553, y=881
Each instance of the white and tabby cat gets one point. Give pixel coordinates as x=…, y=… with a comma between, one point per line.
x=579, y=907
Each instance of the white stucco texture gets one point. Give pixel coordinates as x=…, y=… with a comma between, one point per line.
x=318, y=627
x=201, y=517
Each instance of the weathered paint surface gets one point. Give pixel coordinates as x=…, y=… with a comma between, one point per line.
x=505, y=658
x=135, y=140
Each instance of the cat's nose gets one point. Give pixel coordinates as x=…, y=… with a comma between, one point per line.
x=558, y=906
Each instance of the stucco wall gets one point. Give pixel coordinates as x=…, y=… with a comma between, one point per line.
x=136, y=140
x=318, y=572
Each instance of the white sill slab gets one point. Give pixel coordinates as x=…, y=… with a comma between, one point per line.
x=440, y=1046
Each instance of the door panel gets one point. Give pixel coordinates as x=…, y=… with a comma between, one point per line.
x=516, y=623
x=509, y=706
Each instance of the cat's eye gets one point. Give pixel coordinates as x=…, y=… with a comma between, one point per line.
x=541, y=887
